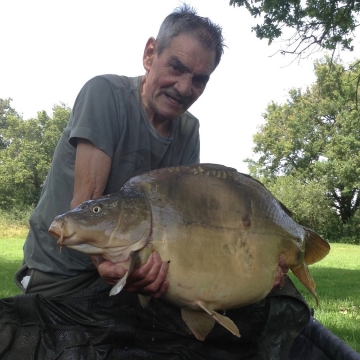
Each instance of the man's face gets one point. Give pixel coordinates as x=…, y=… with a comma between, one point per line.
x=176, y=78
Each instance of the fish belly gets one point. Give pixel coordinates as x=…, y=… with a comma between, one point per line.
x=222, y=268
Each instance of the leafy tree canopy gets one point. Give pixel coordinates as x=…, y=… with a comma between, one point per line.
x=315, y=136
x=307, y=203
x=317, y=24
x=6, y=111
x=26, y=154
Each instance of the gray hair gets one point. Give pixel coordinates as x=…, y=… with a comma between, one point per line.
x=184, y=19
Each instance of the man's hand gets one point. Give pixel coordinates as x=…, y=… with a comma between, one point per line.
x=147, y=280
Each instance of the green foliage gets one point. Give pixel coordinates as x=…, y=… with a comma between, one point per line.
x=6, y=112
x=307, y=202
x=16, y=217
x=15, y=222
x=26, y=155
x=315, y=138
x=317, y=23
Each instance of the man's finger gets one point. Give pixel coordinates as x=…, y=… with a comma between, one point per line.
x=148, y=272
x=153, y=282
x=111, y=272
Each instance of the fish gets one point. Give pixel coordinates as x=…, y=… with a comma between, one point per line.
x=221, y=231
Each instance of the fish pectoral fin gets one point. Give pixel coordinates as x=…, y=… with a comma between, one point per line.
x=121, y=283
x=144, y=300
x=303, y=274
x=224, y=321
x=316, y=248
x=200, y=323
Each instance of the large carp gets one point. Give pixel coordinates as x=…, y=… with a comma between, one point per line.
x=222, y=232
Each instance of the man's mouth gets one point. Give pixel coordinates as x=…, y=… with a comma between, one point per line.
x=179, y=100
x=174, y=100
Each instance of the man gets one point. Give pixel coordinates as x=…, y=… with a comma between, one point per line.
x=121, y=127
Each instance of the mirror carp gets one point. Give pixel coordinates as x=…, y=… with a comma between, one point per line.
x=222, y=232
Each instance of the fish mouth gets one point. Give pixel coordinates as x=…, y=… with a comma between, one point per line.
x=64, y=240
x=60, y=232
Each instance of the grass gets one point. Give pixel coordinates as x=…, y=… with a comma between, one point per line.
x=13, y=230
x=337, y=278
x=11, y=256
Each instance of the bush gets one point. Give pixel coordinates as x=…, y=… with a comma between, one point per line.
x=15, y=222
x=311, y=208
x=350, y=232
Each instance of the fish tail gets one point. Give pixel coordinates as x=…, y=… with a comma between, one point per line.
x=303, y=274
x=316, y=248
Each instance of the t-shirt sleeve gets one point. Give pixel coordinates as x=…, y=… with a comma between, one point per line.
x=95, y=115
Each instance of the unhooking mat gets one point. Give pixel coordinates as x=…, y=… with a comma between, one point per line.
x=94, y=326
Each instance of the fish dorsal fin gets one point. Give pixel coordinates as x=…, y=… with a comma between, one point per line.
x=303, y=274
x=200, y=323
x=121, y=283
x=144, y=300
x=316, y=248
x=221, y=319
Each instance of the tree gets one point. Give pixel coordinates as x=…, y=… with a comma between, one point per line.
x=308, y=203
x=5, y=111
x=26, y=159
x=317, y=24
x=315, y=137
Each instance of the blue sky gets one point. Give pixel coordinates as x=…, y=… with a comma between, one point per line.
x=51, y=48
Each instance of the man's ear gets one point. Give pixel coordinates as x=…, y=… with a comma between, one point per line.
x=149, y=53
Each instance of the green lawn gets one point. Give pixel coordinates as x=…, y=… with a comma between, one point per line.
x=337, y=278
x=10, y=260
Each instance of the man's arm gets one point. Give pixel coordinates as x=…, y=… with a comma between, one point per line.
x=92, y=168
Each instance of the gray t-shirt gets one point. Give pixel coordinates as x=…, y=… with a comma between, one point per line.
x=108, y=112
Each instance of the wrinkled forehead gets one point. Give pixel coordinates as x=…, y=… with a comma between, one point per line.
x=187, y=48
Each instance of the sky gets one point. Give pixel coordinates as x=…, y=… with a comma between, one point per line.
x=51, y=48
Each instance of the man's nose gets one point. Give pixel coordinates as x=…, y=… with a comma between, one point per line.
x=184, y=85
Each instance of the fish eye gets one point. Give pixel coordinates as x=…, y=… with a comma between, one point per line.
x=96, y=209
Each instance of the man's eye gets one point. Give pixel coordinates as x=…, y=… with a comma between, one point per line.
x=175, y=68
x=199, y=82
